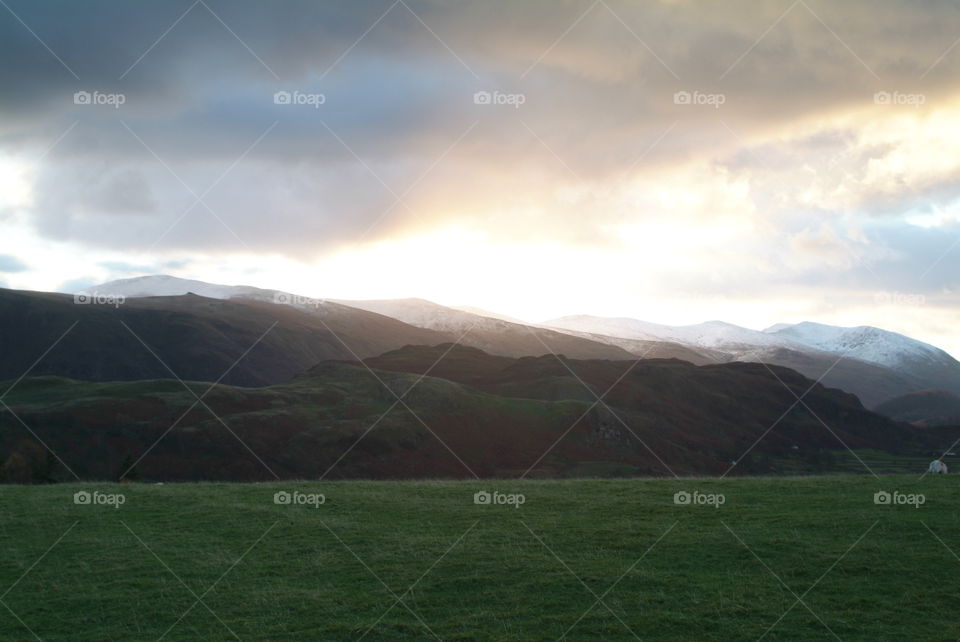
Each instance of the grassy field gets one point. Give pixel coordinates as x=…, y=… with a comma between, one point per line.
x=587, y=559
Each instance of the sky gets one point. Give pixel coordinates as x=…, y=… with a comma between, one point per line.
x=678, y=162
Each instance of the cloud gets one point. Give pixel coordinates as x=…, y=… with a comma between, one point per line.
x=122, y=267
x=823, y=246
x=798, y=178
x=10, y=263
x=73, y=286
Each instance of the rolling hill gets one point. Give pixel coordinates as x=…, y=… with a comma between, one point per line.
x=474, y=414
x=874, y=364
x=489, y=331
x=924, y=408
x=497, y=336
x=199, y=338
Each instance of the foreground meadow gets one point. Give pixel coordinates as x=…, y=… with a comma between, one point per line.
x=777, y=558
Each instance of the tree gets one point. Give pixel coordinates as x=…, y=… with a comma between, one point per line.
x=38, y=460
x=16, y=470
x=50, y=468
x=128, y=470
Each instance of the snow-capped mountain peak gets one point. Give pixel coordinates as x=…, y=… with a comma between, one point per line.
x=488, y=313
x=777, y=327
x=165, y=285
x=427, y=314
x=711, y=334
x=864, y=342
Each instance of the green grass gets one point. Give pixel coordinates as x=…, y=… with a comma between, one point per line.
x=860, y=461
x=880, y=462
x=275, y=572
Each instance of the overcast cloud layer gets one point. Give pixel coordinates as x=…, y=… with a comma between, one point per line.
x=814, y=173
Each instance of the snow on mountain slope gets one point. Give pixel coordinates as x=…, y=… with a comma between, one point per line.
x=657, y=349
x=426, y=314
x=712, y=334
x=778, y=326
x=163, y=285
x=495, y=336
x=487, y=313
x=863, y=342
x=489, y=334
x=876, y=363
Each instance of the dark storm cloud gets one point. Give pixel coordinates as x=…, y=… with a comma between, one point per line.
x=598, y=99
x=201, y=82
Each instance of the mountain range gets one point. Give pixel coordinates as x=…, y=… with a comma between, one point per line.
x=303, y=387
x=875, y=364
